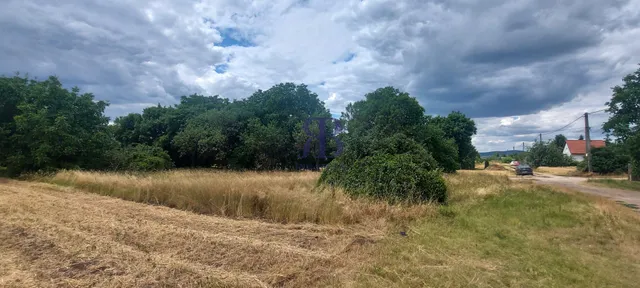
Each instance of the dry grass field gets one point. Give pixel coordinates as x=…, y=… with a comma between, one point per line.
x=559, y=171
x=230, y=229
x=283, y=197
x=572, y=171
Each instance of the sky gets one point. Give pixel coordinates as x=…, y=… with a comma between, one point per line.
x=518, y=67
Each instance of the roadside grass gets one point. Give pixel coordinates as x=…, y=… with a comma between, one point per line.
x=282, y=197
x=619, y=184
x=528, y=236
x=573, y=172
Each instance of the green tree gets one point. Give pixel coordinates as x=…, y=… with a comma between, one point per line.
x=208, y=138
x=139, y=157
x=460, y=128
x=609, y=159
x=560, y=141
x=547, y=154
x=385, y=155
x=581, y=137
x=624, y=108
x=56, y=128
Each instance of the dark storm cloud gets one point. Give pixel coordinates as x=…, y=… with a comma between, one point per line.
x=495, y=58
x=114, y=50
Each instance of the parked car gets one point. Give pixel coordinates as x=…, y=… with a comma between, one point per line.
x=524, y=169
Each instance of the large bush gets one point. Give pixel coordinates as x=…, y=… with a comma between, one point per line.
x=140, y=158
x=609, y=159
x=548, y=154
x=395, y=178
x=386, y=155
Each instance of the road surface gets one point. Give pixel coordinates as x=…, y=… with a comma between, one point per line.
x=580, y=184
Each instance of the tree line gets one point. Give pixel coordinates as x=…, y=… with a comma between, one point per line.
x=45, y=127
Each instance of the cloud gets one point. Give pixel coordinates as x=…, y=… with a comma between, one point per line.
x=544, y=61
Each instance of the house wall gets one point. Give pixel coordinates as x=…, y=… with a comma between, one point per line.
x=577, y=157
x=565, y=151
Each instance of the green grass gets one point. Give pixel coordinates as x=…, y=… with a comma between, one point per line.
x=619, y=184
x=522, y=237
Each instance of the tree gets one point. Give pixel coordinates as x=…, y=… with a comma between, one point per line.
x=139, y=157
x=581, y=137
x=624, y=108
x=609, y=159
x=560, y=141
x=460, y=128
x=207, y=138
x=386, y=153
x=55, y=128
x=547, y=154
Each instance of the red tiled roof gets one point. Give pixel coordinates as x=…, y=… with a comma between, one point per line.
x=579, y=146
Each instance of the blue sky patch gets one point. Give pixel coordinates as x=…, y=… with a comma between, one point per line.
x=233, y=37
x=221, y=68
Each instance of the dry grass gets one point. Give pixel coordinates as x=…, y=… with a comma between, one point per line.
x=572, y=171
x=559, y=171
x=284, y=197
x=53, y=236
x=494, y=233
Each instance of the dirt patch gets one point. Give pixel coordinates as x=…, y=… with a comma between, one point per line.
x=496, y=167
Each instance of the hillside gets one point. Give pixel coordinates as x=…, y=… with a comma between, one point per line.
x=507, y=152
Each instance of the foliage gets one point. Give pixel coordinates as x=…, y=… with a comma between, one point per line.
x=560, y=141
x=547, y=154
x=139, y=157
x=506, y=159
x=625, y=118
x=48, y=127
x=459, y=128
x=395, y=178
x=609, y=159
x=388, y=150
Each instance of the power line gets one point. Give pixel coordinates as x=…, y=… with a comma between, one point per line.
x=594, y=112
x=574, y=121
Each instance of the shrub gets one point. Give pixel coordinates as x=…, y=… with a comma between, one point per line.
x=140, y=158
x=608, y=160
x=582, y=166
x=506, y=159
x=395, y=178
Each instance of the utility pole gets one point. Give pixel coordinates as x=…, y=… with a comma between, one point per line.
x=522, y=146
x=540, y=137
x=587, y=137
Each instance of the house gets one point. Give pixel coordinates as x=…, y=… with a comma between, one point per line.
x=576, y=149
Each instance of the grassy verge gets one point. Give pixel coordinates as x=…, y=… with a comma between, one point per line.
x=522, y=237
x=284, y=197
x=619, y=184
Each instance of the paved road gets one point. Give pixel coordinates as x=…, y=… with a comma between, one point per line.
x=580, y=184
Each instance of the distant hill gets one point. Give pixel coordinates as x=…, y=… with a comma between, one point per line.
x=508, y=152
